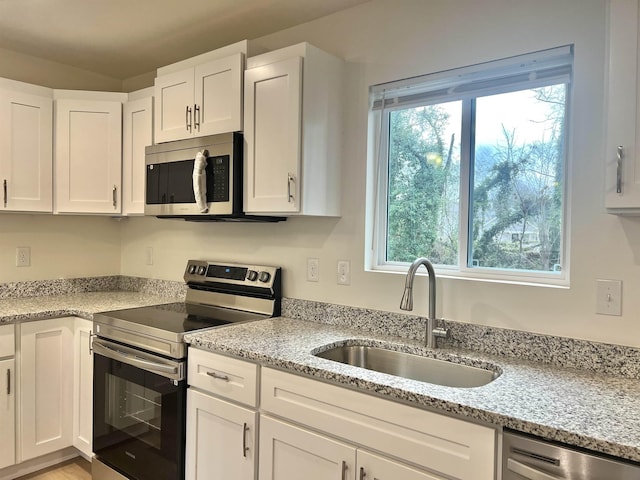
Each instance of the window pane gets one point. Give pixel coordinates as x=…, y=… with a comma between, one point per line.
x=518, y=180
x=424, y=183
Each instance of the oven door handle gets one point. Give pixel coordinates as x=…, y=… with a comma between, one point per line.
x=101, y=349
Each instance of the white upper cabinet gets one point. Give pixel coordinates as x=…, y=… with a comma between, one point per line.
x=137, y=133
x=200, y=96
x=88, y=152
x=292, y=111
x=26, y=147
x=622, y=158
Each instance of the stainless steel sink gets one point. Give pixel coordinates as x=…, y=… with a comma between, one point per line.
x=407, y=365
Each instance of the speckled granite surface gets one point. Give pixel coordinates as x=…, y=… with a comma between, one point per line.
x=82, y=305
x=67, y=286
x=577, y=407
x=82, y=297
x=559, y=351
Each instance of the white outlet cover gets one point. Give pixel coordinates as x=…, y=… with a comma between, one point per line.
x=344, y=272
x=313, y=270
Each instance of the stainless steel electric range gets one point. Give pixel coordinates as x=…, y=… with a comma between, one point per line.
x=139, y=382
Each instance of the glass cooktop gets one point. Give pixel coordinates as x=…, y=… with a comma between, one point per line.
x=179, y=317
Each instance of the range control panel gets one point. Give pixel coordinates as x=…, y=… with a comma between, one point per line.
x=202, y=271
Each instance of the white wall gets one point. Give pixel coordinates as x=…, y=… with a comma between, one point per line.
x=390, y=39
x=61, y=246
x=381, y=41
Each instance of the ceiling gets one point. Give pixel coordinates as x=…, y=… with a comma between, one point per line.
x=125, y=38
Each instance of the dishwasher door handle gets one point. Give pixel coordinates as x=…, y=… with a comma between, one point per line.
x=528, y=472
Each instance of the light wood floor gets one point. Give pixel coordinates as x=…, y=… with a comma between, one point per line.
x=76, y=469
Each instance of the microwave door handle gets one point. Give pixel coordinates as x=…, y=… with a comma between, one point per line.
x=123, y=357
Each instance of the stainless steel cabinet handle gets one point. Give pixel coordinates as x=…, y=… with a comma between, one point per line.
x=362, y=474
x=188, y=118
x=91, y=335
x=4, y=186
x=196, y=117
x=619, y=171
x=245, y=449
x=115, y=197
x=528, y=472
x=344, y=470
x=290, y=179
x=218, y=376
x=8, y=381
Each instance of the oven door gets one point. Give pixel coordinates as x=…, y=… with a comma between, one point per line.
x=138, y=412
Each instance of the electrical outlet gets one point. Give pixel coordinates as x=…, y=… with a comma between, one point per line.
x=23, y=256
x=149, y=255
x=344, y=272
x=609, y=297
x=313, y=270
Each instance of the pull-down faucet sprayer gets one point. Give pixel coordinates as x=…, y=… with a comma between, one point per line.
x=433, y=330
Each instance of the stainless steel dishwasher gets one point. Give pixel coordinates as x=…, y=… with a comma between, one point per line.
x=528, y=458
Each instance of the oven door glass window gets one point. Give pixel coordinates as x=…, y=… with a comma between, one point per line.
x=139, y=420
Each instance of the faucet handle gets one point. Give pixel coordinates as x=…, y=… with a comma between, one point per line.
x=440, y=331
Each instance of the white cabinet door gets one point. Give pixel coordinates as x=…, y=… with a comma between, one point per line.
x=46, y=386
x=26, y=151
x=221, y=439
x=88, y=156
x=293, y=117
x=198, y=101
x=371, y=466
x=218, y=96
x=291, y=453
x=83, y=387
x=7, y=413
x=173, y=96
x=622, y=158
x=273, y=95
x=137, y=133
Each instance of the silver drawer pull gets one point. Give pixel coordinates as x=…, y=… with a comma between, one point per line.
x=344, y=470
x=218, y=376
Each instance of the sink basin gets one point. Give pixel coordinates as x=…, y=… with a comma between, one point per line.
x=408, y=365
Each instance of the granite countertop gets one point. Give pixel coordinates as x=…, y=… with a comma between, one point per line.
x=82, y=305
x=577, y=407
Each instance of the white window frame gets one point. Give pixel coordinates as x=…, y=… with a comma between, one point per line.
x=388, y=97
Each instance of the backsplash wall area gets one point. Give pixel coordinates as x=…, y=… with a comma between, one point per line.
x=384, y=40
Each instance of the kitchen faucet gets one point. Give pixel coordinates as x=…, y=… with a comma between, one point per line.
x=433, y=331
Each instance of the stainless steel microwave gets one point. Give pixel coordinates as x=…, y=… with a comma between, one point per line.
x=198, y=177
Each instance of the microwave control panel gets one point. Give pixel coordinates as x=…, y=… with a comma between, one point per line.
x=218, y=177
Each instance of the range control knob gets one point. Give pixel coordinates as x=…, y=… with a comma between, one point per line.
x=201, y=270
x=265, y=277
x=192, y=269
x=252, y=275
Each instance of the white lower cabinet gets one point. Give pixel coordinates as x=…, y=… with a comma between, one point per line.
x=443, y=446
x=220, y=439
x=46, y=386
x=317, y=431
x=56, y=385
x=221, y=417
x=7, y=397
x=288, y=452
x=82, y=386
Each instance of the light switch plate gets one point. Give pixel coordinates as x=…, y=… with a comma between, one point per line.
x=609, y=297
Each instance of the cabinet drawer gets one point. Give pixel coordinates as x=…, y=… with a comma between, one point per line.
x=223, y=376
x=446, y=445
x=7, y=346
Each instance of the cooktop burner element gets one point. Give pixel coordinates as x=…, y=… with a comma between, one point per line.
x=218, y=294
